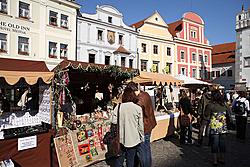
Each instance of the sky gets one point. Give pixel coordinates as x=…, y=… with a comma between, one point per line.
x=218, y=15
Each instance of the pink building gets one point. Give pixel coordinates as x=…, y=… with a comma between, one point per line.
x=192, y=48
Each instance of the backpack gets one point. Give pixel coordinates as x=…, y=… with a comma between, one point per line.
x=239, y=107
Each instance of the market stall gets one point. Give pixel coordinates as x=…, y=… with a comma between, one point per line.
x=25, y=112
x=164, y=92
x=85, y=95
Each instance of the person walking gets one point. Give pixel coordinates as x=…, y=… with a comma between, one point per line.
x=217, y=111
x=204, y=121
x=144, y=100
x=240, y=107
x=185, y=119
x=131, y=129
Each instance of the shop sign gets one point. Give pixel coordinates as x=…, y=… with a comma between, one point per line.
x=12, y=27
x=27, y=143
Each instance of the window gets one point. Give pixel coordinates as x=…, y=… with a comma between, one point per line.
x=24, y=10
x=200, y=58
x=3, y=6
x=144, y=65
x=193, y=34
x=3, y=43
x=213, y=75
x=143, y=45
x=23, y=46
x=52, y=18
x=201, y=73
x=91, y=58
x=64, y=21
x=123, y=61
x=239, y=17
x=223, y=72
x=63, y=51
x=205, y=74
x=206, y=60
x=110, y=19
x=193, y=57
x=155, y=49
x=107, y=60
x=155, y=66
x=100, y=35
x=52, y=50
x=182, y=55
x=183, y=71
x=168, y=68
x=168, y=51
x=247, y=61
x=229, y=73
x=194, y=72
x=131, y=63
x=120, y=39
x=217, y=73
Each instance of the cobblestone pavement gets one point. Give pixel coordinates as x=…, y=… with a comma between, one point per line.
x=168, y=153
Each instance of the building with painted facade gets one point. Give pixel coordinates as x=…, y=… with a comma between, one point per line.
x=193, y=52
x=38, y=30
x=242, y=59
x=223, y=65
x=155, y=45
x=103, y=38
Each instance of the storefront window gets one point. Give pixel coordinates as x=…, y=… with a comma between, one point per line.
x=24, y=10
x=3, y=43
x=23, y=46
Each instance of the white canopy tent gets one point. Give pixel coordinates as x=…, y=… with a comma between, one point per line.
x=191, y=82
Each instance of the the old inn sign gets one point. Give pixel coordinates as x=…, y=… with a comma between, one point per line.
x=13, y=27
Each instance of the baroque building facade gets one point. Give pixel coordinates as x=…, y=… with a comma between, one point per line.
x=242, y=58
x=156, y=47
x=103, y=38
x=193, y=52
x=38, y=30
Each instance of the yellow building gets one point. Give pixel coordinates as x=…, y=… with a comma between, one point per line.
x=155, y=45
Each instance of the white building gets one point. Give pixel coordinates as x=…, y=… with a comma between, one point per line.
x=38, y=30
x=242, y=61
x=103, y=38
x=223, y=65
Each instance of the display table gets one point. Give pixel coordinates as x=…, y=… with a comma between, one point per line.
x=39, y=156
x=166, y=125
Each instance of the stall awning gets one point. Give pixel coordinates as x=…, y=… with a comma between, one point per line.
x=13, y=69
x=160, y=78
x=140, y=80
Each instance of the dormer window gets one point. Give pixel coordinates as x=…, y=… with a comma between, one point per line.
x=64, y=21
x=52, y=18
x=110, y=19
x=24, y=10
x=3, y=6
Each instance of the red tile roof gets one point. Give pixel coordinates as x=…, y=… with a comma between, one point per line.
x=122, y=50
x=175, y=27
x=223, y=53
x=138, y=24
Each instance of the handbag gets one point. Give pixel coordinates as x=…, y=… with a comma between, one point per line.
x=112, y=138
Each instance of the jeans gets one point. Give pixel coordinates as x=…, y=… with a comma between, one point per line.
x=203, y=131
x=144, y=152
x=241, y=123
x=127, y=153
x=218, y=143
x=186, y=132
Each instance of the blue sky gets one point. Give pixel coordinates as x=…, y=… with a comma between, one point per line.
x=219, y=15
